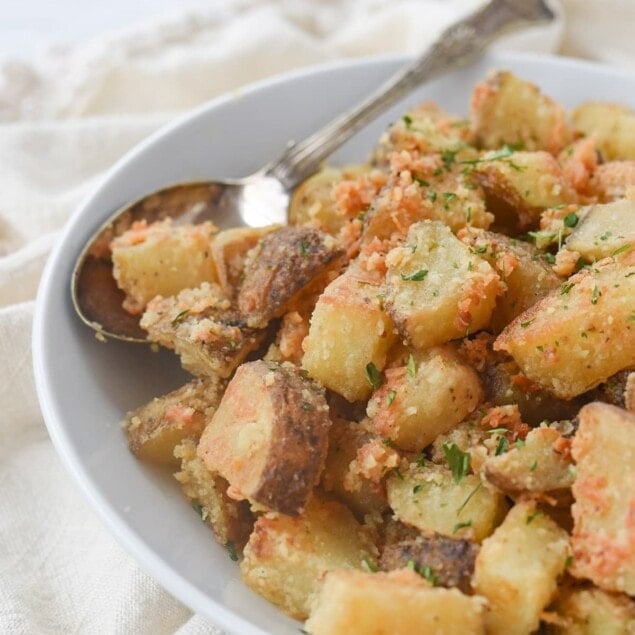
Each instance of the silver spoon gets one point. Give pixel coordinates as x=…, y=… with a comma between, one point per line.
x=263, y=198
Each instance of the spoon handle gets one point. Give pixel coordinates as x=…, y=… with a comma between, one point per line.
x=457, y=45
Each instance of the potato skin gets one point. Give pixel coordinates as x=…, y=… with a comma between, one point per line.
x=269, y=436
x=603, y=536
x=395, y=603
x=451, y=560
x=282, y=264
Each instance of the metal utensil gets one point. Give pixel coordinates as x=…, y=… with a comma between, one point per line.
x=263, y=197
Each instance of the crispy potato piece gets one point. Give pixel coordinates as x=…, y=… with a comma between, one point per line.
x=426, y=129
x=577, y=337
x=287, y=558
x=436, y=288
x=402, y=410
x=282, y=265
x=431, y=500
x=604, y=230
x=230, y=520
x=313, y=202
x=517, y=570
x=604, y=531
x=449, y=560
x=612, y=125
x=395, y=603
x=526, y=275
x=613, y=180
x=269, y=436
x=157, y=427
x=203, y=329
x=349, y=330
x=535, y=466
x=229, y=250
x=506, y=109
x=590, y=611
x=361, y=495
x=161, y=259
x=519, y=186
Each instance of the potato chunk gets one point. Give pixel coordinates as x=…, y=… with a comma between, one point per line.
x=203, y=329
x=436, y=288
x=579, y=336
x=349, y=330
x=402, y=409
x=230, y=520
x=395, y=603
x=280, y=267
x=269, y=436
x=286, y=558
x=534, y=466
x=229, y=250
x=450, y=561
x=594, y=612
x=161, y=259
x=517, y=570
x=604, y=530
x=612, y=125
x=157, y=427
x=506, y=109
x=526, y=275
x=604, y=230
x=519, y=186
x=431, y=500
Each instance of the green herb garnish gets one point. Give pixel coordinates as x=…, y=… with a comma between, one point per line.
x=458, y=461
x=417, y=276
x=570, y=220
x=411, y=367
x=373, y=376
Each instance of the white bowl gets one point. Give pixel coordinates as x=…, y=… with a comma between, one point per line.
x=85, y=387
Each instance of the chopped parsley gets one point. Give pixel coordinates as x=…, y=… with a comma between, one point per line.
x=304, y=247
x=621, y=250
x=469, y=498
x=197, y=507
x=179, y=317
x=390, y=397
x=449, y=196
x=502, y=447
x=532, y=517
x=458, y=526
x=411, y=367
x=370, y=565
x=231, y=549
x=417, y=488
x=407, y=119
x=533, y=466
x=421, y=182
x=595, y=296
x=566, y=287
x=432, y=196
x=570, y=220
x=417, y=276
x=524, y=325
x=458, y=461
x=373, y=376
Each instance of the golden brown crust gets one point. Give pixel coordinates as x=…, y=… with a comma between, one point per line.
x=281, y=266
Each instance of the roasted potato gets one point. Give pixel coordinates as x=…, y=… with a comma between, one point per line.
x=269, y=436
x=394, y=603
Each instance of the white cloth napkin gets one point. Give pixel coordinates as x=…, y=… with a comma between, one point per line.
x=62, y=123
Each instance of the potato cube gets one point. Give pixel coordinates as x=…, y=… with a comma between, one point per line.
x=395, y=603
x=203, y=329
x=230, y=520
x=517, y=570
x=157, y=427
x=526, y=275
x=229, y=250
x=349, y=330
x=612, y=125
x=520, y=185
x=580, y=335
x=604, y=490
x=269, y=436
x=287, y=558
x=506, y=109
x=284, y=264
x=604, y=230
x=613, y=180
x=161, y=259
x=430, y=499
x=403, y=409
x=534, y=466
x=594, y=612
x=436, y=288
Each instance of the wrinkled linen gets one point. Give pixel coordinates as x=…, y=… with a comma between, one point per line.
x=63, y=122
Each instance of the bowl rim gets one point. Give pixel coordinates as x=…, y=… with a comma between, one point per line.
x=132, y=542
